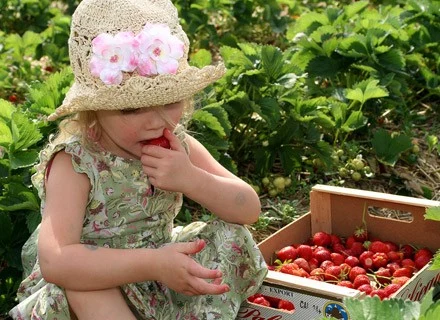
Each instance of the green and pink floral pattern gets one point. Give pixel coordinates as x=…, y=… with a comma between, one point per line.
x=124, y=211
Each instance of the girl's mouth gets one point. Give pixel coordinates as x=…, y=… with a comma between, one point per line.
x=160, y=141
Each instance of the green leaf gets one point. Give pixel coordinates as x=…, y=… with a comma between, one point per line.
x=323, y=66
x=6, y=109
x=24, y=132
x=432, y=142
x=433, y=213
x=233, y=56
x=201, y=58
x=388, y=148
x=5, y=135
x=290, y=159
x=372, y=308
x=6, y=228
x=355, y=121
x=366, y=90
x=209, y=120
x=354, y=8
x=270, y=111
x=23, y=159
x=272, y=61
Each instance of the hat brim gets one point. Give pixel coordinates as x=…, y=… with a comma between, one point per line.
x=139, y=91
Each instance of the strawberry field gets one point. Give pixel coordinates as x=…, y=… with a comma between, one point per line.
x=343, y=93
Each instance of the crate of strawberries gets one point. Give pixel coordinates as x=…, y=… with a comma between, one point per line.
x=352, y=243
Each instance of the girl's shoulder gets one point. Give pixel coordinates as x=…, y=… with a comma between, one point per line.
x=82, y=160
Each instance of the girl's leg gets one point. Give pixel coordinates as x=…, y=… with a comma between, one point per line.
x=104, y=304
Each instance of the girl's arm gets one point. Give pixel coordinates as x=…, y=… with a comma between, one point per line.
x=201, y=178
x=71, y=265
x=220, y=191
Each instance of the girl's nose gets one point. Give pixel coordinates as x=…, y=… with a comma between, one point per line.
x=153, y=119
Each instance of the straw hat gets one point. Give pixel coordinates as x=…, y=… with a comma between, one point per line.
x=129, y=54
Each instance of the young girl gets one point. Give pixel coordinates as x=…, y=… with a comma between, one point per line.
x=112, y=182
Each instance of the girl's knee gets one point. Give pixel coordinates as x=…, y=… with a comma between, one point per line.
x=93, y=304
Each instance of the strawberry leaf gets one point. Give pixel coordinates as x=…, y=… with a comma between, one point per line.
x=433, y=213
x=388, y=148
x=372, y=308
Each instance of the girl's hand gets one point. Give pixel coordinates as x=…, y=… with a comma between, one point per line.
x=167, y=169
x=182, y=274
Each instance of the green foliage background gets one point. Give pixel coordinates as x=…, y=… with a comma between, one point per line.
x=315, y=91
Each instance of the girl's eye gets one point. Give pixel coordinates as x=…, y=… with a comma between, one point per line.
x=130, y=111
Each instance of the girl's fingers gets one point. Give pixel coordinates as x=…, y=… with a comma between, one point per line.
x=174, y=141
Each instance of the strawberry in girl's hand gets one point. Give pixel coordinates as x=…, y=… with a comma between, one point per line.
x=160, y=141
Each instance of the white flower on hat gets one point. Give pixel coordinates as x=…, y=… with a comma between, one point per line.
x=112, y=55
x=159, y=50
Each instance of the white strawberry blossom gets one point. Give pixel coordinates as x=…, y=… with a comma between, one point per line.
x=153, y=51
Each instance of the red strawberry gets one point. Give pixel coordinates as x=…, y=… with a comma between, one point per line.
x=360, y=280
x=357, y=248
x=366, y=259
x=395, y=255
x=400, y=280
x=273, y=301
x=287, y=253
x=379, y=260
x=289, y=268
x=322, y=239
x=391, y=246
x=355, y=271
x=378, y=246
x=402, y=272
x=286, y=305
x=333, y=273
x=13, y=98
x=161, y=142
x=393, y=266
x=352, y=261
x=302, y=263
x=321, y=255
x=349, y=242
x=327, y=264
x=339, y=248
x=335, y=239
x=253, y=297
x=313, y=263
x=345, y=269
x=423, y=252
x=337, y=258
x=367, y=288
x=360, y=234
x=408, y=263
x=262, y=301
x=391, y=288
x=407, y=250
x=318, y=273
x=378, y=292
x=383, y=275
x=345, y=283
x=421, y=261
x=305, y=251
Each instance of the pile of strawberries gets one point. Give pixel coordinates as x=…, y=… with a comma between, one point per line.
x=370, y=265
x=272, y=302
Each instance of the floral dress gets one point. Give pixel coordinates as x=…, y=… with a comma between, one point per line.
x=125, y=211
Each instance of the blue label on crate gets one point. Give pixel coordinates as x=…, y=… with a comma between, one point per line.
x=335, y=310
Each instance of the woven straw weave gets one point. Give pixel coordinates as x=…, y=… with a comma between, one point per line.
x=93, y=17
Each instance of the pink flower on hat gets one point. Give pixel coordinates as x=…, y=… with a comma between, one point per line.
x=112, y=55
x=159, y=50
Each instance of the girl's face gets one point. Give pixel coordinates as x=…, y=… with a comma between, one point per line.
x=124, y=132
